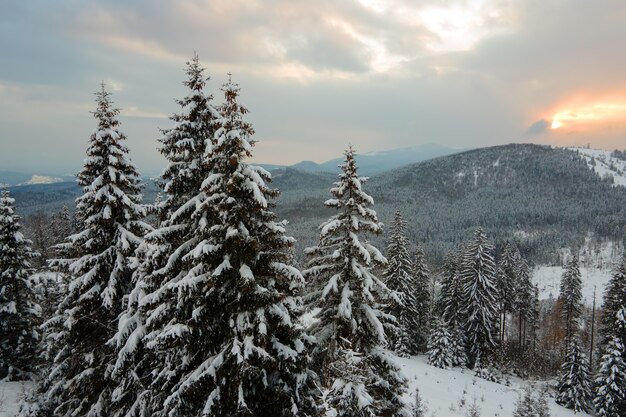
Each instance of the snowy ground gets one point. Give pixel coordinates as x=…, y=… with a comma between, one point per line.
x=548, y=278
x=450, y=392
x=605, y=164
x=10, y=395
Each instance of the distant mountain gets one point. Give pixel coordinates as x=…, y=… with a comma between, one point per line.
x=374, y=163
x=12, y=178
x=543, y=198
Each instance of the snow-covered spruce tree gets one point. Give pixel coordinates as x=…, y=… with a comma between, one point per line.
x=439, y=345
x=610, y=392
x=241, y=349
x=574, y=385
x=479, y=298
x=96, y=263
x=419, y=270
x=526, y=404
x=505, y=284
x=523, y=296
x=419, y=409
x=614, y=300
x=162, y=258
x=19, y=311
x=570, y=297
x=402, y=337
x=449, y=307
x=358, y=377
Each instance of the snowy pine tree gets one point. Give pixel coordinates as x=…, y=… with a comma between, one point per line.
x=505, y=284
x=610, y=392
x=525, y=406
x=574, y=386
x=440, y=345
x=614, y=299
x=419, y=270
x=162, y=257
x=19, y=310
x=399, y=277
x=449, y=302
x=97, y=264
x=570, y=297
x=357, y=375
x=479, y=296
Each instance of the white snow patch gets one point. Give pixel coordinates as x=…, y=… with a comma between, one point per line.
x=450, y=392
x=11, y=394
x=42, y=179
x=605, y=164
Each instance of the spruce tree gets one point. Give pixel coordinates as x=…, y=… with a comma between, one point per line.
x=505, y=284
x=399, y=277
x=19, y=310
x=439, y=345
x=235, y=338
x=96, y=263
x=449, y=307
x=526, y=404
x=614, y=299
x=357, y=375
x=478, y=298
x=570, y=297
x=574, y=386
x=161, y=258
x=523, y=290
x=610, y=392
x=419, y=270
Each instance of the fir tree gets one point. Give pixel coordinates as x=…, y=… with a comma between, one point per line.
x=399, y=277
x=357, y=375
x=97, y=264
x=505, y=285
x=479, y=298
x=439, y=345
x=419, y=270
x=574, y=387
x=449, y=303
x=523, y=291
x=570, y=297
x=525, y=406
x=19, y=310
x=419, y=409
x=162, y=257
x=614, y=300
x=236, y=341
x=610, y=392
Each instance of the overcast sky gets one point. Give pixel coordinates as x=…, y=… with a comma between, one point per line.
x=316, y=75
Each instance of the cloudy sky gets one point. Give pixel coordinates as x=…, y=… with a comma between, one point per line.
x=316, y=75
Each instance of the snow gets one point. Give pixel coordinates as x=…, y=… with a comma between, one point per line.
x=548, y=278
x=11, y=394
x=450, y=392
x=42, y=179
x=605, y=164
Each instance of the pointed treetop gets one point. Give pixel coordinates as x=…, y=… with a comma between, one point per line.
x=105, y=112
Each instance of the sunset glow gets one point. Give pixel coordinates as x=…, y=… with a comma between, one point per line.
x=589, y=115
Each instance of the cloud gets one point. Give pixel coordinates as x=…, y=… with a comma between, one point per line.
x=539, y=127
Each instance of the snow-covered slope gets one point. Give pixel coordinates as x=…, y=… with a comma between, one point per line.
x=450, y=392
x=548, y=278
x=603, y=164
x=43, y=179
x=11, y=393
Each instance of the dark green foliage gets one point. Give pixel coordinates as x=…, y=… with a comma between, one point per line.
x=19, y=311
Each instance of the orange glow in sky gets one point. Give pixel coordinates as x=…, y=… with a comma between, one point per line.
x=583, y=116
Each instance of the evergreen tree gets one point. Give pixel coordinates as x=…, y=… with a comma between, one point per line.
x=419, y=270
x=614, y=300
x=399, y=277
x=449, y=306
x=19, y=310
x=357, y=376
x=610, y=392
x=449, y=303
x=419, y=410
x=525, y=406
x=570, y=297
x=523, y=290
x=162, y=258
x=97, y=264
x=439, y=345
x=505, y=284
x=478, y=298
x=574, y=387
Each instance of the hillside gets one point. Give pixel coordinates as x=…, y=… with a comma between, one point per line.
x=547, y=198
